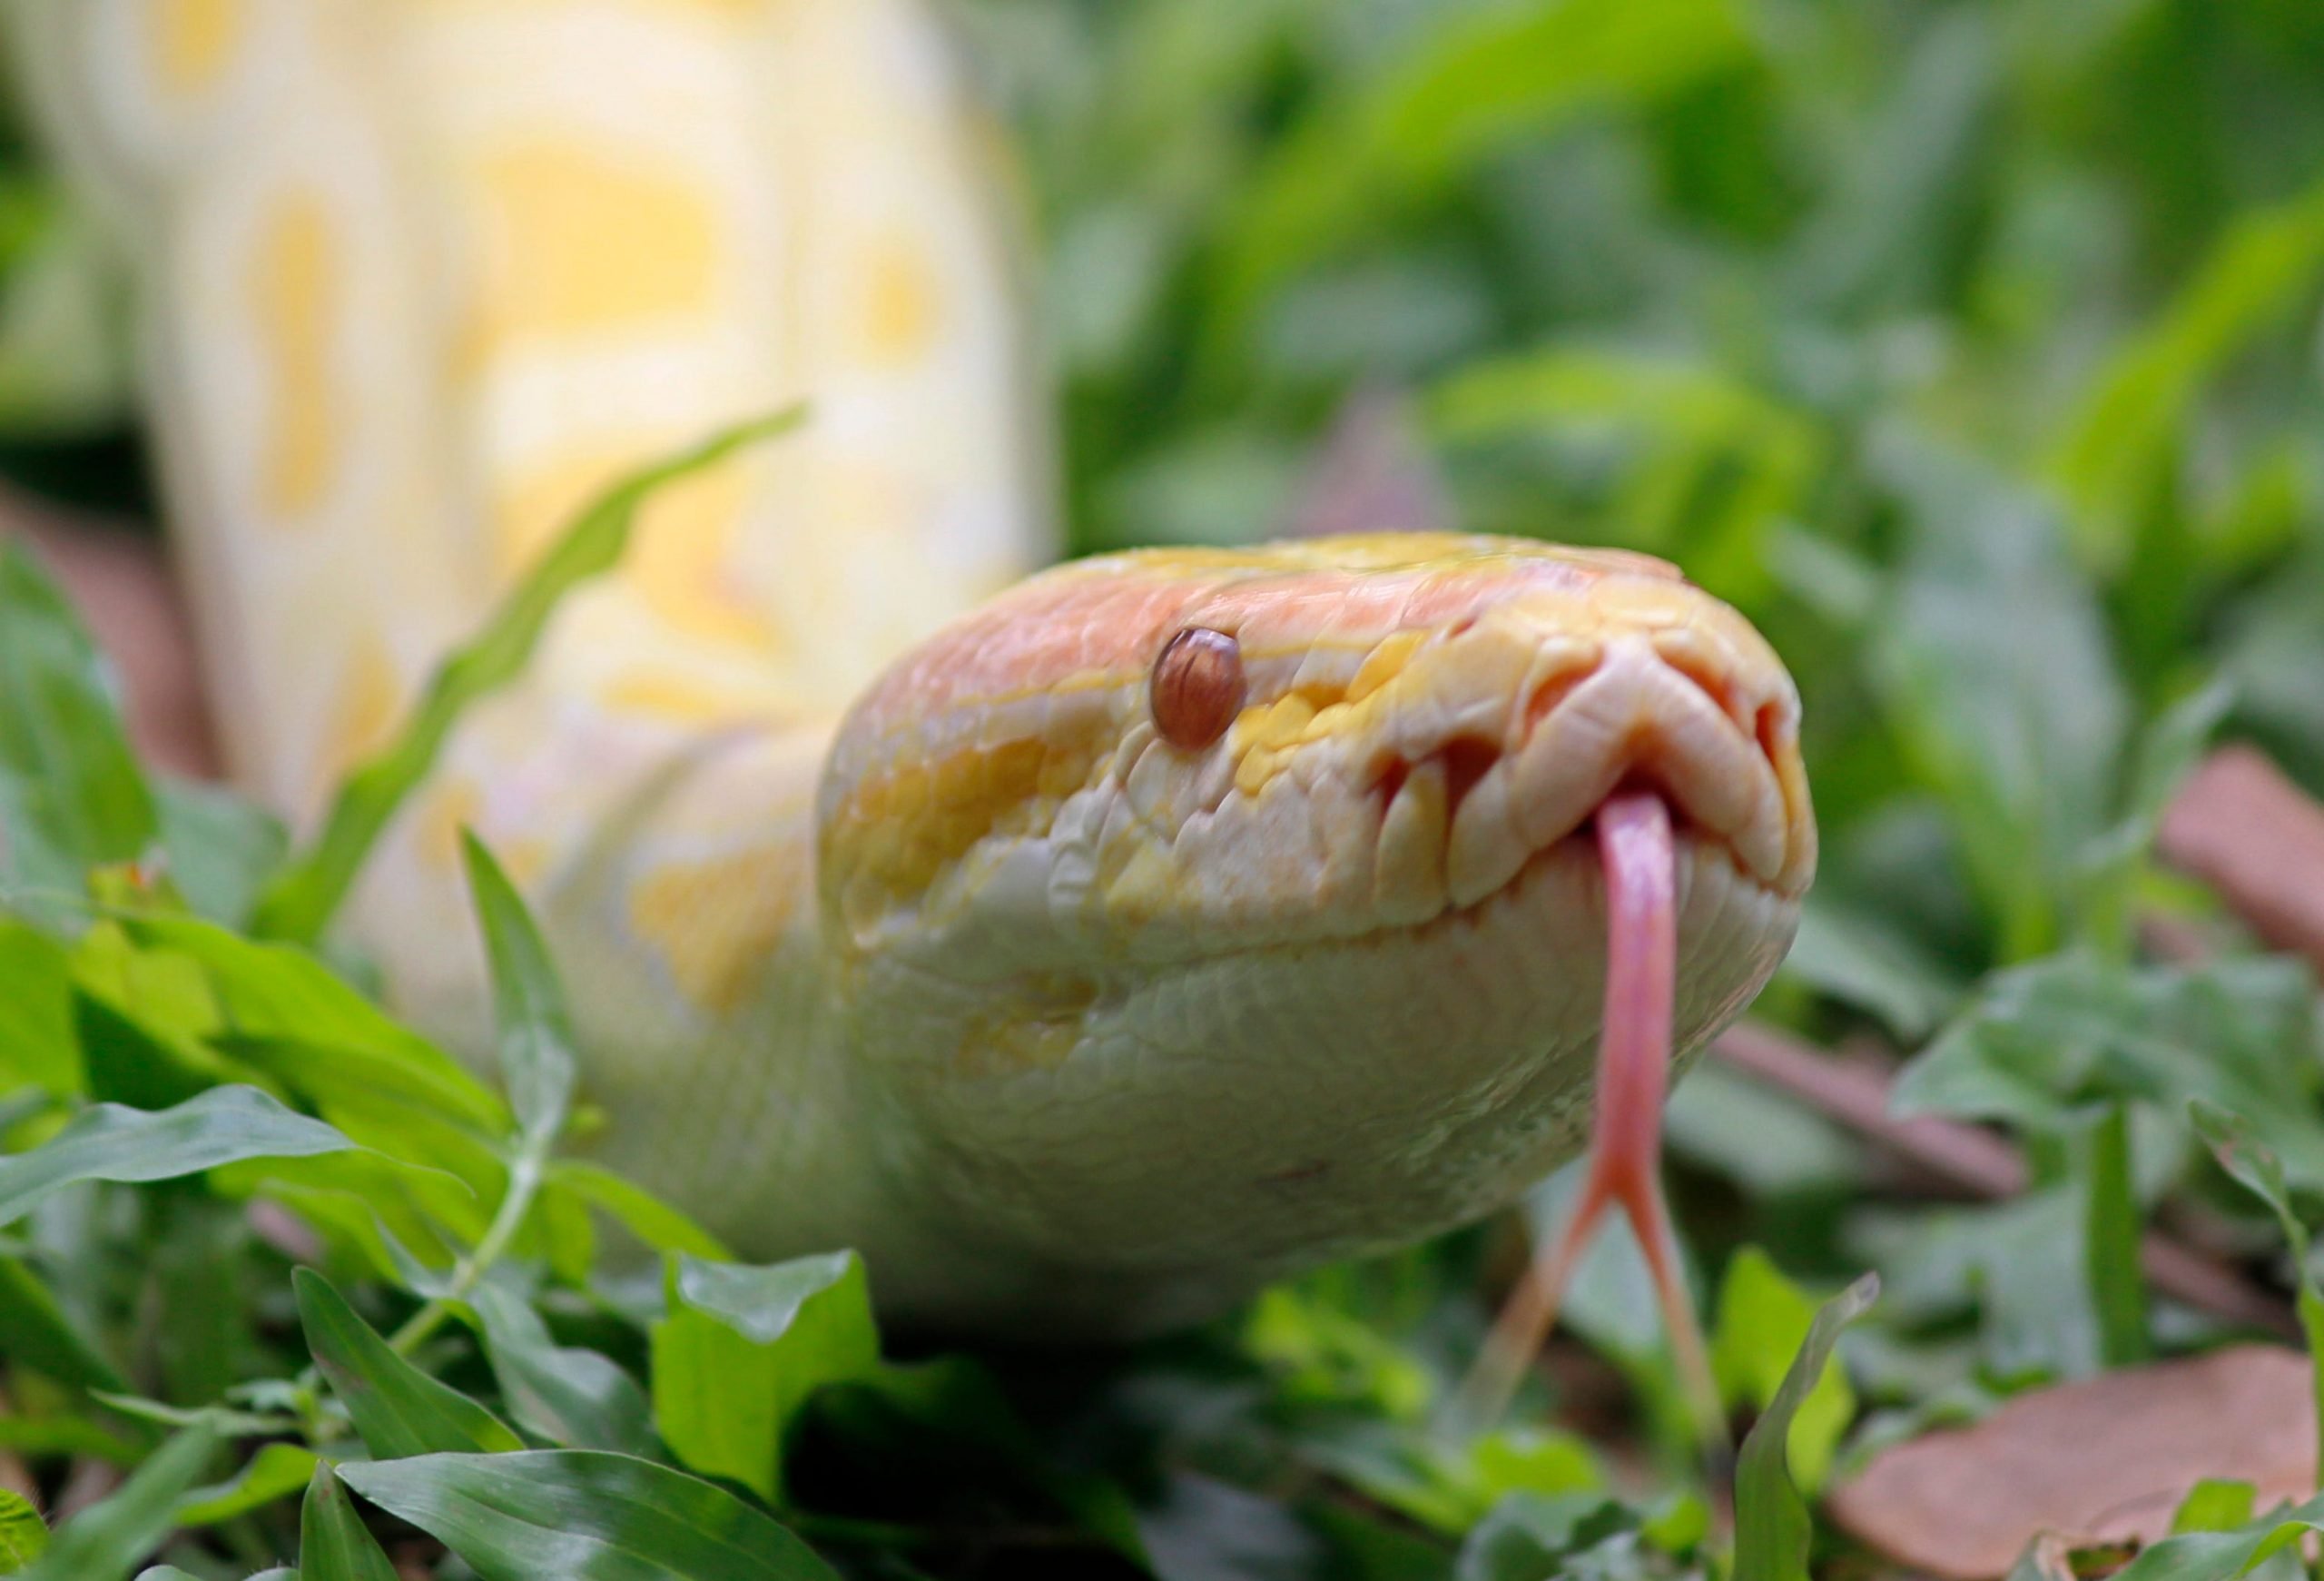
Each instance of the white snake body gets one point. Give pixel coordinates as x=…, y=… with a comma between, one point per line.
x=964, y=960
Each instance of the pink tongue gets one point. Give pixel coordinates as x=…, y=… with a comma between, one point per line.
x=1634, y=843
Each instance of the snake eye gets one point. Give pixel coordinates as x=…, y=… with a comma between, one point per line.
x=1198, y=687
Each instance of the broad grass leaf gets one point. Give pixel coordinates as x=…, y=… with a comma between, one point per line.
x=537, y=1044
x=24, y=1536
x=299, y=904
x=397, y=1409
x=2122, y=444
x=637, y=1209
x=221, y=848
x=1772, y=1526
x=72, y=795
x=334, y=1545
x=106, y=1541
x=577, y=1515
x=38, y=1048
x=277, y=1471
x=287, y=1013
x=1484, y=80
x=1763, y=1320
x=578, y=1399
x=36, y=1333
x=131, y=1146
x=742, y=1348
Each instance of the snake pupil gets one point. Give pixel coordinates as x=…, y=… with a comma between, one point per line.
x=1198, y=687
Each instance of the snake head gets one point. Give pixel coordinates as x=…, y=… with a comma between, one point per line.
x=1248, y=892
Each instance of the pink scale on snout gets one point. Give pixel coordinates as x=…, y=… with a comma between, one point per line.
x=1636, y=849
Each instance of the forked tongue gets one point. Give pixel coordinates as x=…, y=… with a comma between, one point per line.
x=1634, y=845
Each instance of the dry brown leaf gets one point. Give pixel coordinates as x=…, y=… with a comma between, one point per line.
x=2107, y=1459
x=2243, y=827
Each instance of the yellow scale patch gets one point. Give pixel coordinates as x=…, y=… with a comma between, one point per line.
x=363, y=710
x=717, y=922
x=903, y=305
x=897, y=832
x=1265, y=737
x=294, y=298
x=194, y=41
x=580, y=242
x=1036, y=1026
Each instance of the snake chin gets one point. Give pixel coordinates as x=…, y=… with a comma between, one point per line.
x=1236, y=1119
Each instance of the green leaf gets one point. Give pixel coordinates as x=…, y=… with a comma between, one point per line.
x=637, y=1209
x=300, y=902
x=2043, y=1040
x=24, y=1536
x=334, y=1545
x=2221, y=1556
x=1996, y=675
x=1485, y=81
x=2254, y=1167
x=1771, y=1521
x=291, y=1016
x=742, y=1348
x=2112, y=1234
x=106, y=1541
x=35, y=1332
x=536, y=1057
x=1763, y=1320
x=36, y=1043
x=71, y=795
x=133, y=1146
x=2131, y=427
x=397, y=1409
x=221, y=848
x=2215, y=1507
x=576, y=1514
x=276, y=1471
x=575, y=1398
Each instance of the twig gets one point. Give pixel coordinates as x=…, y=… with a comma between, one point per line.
x=1854, y=1090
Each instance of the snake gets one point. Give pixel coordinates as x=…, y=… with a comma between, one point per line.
x=1088, y=947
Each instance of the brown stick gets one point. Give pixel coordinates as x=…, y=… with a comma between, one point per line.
x=1854, y=1090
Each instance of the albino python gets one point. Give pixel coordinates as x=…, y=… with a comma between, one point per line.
x=1147, y=929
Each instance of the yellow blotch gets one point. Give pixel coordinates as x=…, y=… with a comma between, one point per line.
x=1384, y=664
x=580, y=242
x=896, y=832
x=1263, y=736
x=193, y=40
x=678, y=562
x=901, y=304
x=717, y=923
x=453, y=807
x=294, y=298
x=368, y=700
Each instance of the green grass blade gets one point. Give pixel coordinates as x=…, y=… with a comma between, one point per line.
x=397, y=1409
x=299, y=902
x=582, y=1516
x=1772, y=1526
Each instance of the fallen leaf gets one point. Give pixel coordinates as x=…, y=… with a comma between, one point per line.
x=2104, y=1460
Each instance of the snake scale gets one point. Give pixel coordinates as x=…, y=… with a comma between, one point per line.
x=1152, y=926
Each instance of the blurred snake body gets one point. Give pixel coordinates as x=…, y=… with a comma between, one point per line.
x=1147, y=929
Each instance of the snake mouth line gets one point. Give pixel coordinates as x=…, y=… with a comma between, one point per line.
x=1723, y=765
